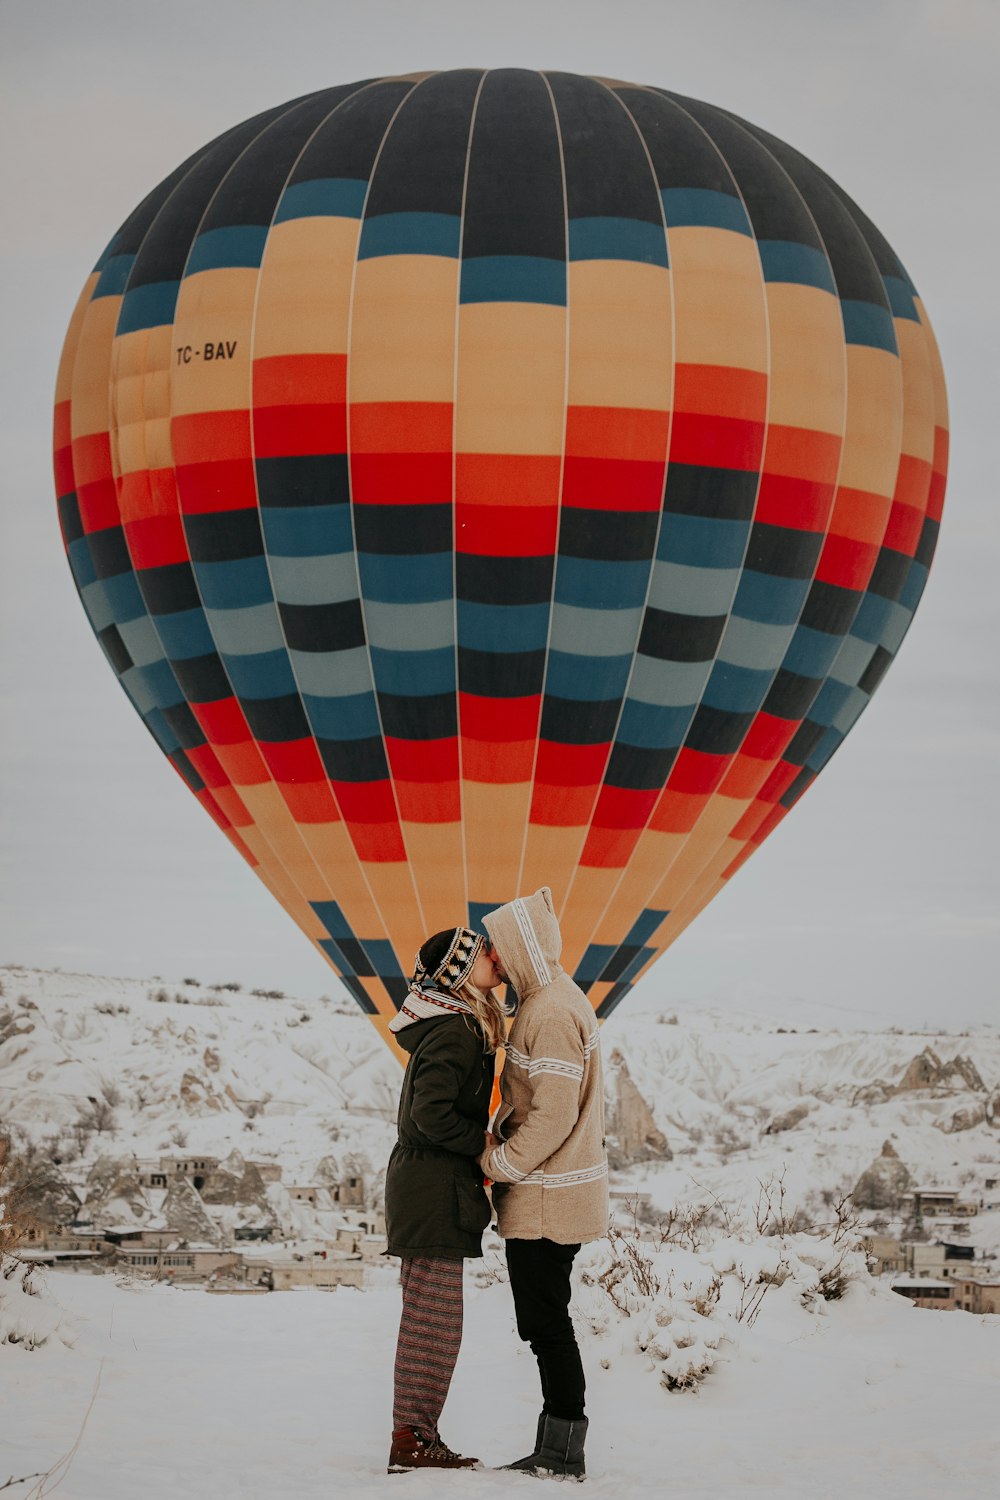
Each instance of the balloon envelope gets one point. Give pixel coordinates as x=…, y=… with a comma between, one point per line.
x=480, y=480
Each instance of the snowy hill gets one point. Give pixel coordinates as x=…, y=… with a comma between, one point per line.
x=700, y=1105
x=735, y=1357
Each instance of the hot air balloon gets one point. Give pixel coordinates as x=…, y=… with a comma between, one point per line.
x=487, y=479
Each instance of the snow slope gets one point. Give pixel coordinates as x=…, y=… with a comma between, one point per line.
x=286, y=1397
x=205, y=1071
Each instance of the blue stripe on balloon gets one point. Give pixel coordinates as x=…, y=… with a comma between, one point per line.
x=81, y=562
x=866, y=324
x=600, y=585
x=701, y=541
x=235, y=584
x=333, y=918
x=322, y=198
x=353, y=717
x=307, y=530
x=185, y=634
x=513, y=278
x=233, y=245
x=653, y=726
x=916, y=578
x=162, y=684
x=266, y=674
x=645, y=925
x=383, y=956
x=770, y=600
x=503, y=627
x=811, y=653
x=705, y=207
x=873, y=618
x=414, y=673
x=829, y=701
x=161, y=732
x=124, y=598
x=114, y=276
x=594, y=960
x=901, y=296
x=736, y=690
x=410, y=234
x=609, y=238
x=393, y=578
x=148, y=306
x=787, y=261
x=584, y=679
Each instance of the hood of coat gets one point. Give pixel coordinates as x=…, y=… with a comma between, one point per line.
x=410, y=1035
x=526, y=936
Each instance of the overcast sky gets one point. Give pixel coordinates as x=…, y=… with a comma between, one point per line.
x=877, y=899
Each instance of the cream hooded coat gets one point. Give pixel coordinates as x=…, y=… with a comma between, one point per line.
x=550, y=1172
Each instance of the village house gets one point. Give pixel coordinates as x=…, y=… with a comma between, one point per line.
x=936, y=1296
x=300, y=1194
x=939, y=1260
x=978, y=1295
x=179, y=1262
x=324, y=1269
x=195, y=1169
x=350, y=1190
x=930, y=1203
x=151, y=1173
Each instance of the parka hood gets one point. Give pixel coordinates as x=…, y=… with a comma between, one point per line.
x=409, y=1036
x=526, y=936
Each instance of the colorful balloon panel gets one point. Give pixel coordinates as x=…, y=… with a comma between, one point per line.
x=485, y=479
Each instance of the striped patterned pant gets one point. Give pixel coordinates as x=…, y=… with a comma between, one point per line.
x=430, y=1334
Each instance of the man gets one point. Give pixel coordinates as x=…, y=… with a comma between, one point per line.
x=548, y=1165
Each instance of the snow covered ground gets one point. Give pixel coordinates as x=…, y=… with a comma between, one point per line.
x=170, y=1393
x=164, y=1392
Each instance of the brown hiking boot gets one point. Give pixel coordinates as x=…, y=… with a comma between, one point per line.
x=413, y=1449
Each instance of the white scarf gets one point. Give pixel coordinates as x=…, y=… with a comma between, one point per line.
x=423, y=1003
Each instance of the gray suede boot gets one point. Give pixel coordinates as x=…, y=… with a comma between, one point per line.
x=559, y=1450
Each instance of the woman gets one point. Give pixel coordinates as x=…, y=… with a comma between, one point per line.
x=435, y=1204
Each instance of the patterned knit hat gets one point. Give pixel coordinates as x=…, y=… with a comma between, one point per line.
x=456, y=966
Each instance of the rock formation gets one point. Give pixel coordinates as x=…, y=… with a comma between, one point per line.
x=788, y=1120
x=633, y=1134
x=185, y=1214
x=927, y=1071
x=966, y=1118
x=883, y=1183
x=235, y=1182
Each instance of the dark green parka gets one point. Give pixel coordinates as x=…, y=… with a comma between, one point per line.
x=435, y=1203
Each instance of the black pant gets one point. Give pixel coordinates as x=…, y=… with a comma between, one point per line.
x=539, y=1280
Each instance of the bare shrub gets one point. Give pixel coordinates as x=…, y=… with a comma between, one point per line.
x=630, y=1271
x=110, y=1092
x=97, y=1115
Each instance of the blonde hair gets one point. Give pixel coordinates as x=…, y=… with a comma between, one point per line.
x=489, y=1012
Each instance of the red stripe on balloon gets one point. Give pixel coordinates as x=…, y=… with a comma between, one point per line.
x=299, y=431
x=716, y=442
x=503, y=719
x=157, y=541
x=613, y=484
x=846, y=563
x=401, y=478
x=506, y=530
